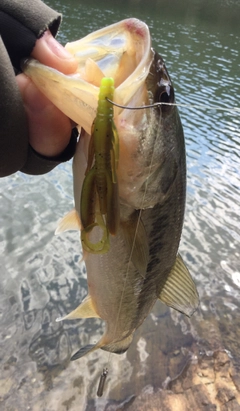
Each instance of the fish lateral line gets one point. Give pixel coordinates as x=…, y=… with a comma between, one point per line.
x=159, y=104
x=102, y=382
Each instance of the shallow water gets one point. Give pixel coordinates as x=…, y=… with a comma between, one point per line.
x=41, y=276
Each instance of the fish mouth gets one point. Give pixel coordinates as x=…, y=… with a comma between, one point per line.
x=121, y=51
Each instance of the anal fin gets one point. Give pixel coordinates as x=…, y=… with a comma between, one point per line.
x=179, y=291
x=84, y=310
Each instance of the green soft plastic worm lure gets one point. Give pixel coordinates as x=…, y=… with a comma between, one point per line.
x=99, y=197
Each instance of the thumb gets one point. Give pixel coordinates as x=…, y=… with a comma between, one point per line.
x=51, y=53
x=49, y=128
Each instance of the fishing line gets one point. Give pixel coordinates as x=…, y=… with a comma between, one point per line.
x=198, y=106
x=105, y=370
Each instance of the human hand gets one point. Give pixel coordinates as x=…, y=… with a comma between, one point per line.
x=49, y=128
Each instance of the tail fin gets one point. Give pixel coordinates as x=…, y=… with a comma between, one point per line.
x=118, y=347
x=84, y=350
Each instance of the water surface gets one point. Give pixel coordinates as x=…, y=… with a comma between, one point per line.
x=41, y=277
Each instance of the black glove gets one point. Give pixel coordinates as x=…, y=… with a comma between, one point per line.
x=22, y=22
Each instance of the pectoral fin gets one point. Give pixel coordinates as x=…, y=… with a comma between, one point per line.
x=84, y=310
x=71, y=221
x=179, y=291
x=137, y=242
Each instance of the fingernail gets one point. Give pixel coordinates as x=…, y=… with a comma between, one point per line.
x=57, y=48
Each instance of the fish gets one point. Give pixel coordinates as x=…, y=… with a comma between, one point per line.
x=142, y=263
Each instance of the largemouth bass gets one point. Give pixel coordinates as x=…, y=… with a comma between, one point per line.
x=142, y=263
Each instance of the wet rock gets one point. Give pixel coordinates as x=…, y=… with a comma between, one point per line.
x=207, y=383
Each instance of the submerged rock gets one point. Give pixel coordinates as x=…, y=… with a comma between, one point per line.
x=209, y=382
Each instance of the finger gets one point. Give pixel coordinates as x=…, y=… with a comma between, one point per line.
x=49, y=128
x=50, y=52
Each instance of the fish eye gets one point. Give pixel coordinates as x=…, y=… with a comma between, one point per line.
x=165, y=94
